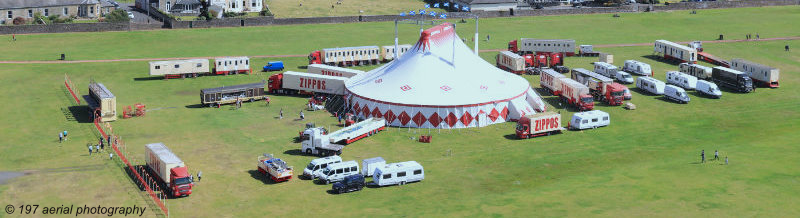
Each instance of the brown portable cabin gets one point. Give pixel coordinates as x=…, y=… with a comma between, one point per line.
x=229, y=94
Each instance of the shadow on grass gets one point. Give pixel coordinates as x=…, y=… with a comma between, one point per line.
x=150, y=78
x=297, y=152
x=510, y=136
x=260, y=176
x=195, y=106
x=661, y=59
x=643, y=92
x=80, y=113
x=302, y=67
x=560, y=105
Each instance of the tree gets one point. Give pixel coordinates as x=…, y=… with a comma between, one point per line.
x=118, y=15
x=18, y=21
x=204, y=10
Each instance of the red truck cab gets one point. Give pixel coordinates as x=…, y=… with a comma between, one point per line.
x=274, y=83
x=315, y=57
x=512, y=46
x=523, y=127
x=615, y=94
x=556, y=59
x=180, y=182
x=586, y=103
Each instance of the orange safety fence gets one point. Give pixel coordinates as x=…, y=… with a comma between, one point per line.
x=69, y=85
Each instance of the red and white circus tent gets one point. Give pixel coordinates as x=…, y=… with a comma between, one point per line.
x=441, y=83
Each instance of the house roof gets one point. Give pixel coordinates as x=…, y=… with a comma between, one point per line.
x=488, y=1
x=106, y=3
x=187, y=2
x=9, y=4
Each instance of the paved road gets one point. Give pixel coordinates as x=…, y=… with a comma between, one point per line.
x=138, y=16
x=304, y=55
x=5, y=176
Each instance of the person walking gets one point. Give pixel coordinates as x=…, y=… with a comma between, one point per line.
x=339, y=117
x=199, y=175
x=60, y=137
x=65, y=135
x=716, y=154
x=103, y=146
x=97, y=149
x=281, y=114
x=703, y=156
x=786, y=47
x=757, y=36
x=110, y=155
x=90, y=149
x=487, y=37
x=726, y=160
x=302, y=116
x=14, y=37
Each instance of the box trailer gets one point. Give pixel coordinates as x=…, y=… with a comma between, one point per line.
x=169, y=170
x=510, y=62
x=275, y=168
x=291, y=82
x=387, y=52
x=179, y=68
x=588, y=50
x=230, y=94
x=347, y=56
x=328, y=70
x=732, y=79
x=368, y=166
x=759, y=73
x=550, y=80
x=534, y=125
x=529, y=46
x=696, y=70
x=671, y=50
x=232, y=65
x=576, y=94
x=102, y=103
x=318, y=141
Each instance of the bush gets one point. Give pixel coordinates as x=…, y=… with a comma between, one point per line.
x=265, y=13
x=116, y=16
x=18, y=21
x=233, y=14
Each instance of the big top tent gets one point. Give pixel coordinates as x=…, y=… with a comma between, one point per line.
x=441, y=83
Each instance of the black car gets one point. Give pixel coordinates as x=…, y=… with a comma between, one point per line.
x=349, y=184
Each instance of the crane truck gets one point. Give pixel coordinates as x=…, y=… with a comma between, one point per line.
x=315, y=141
x=172, y=174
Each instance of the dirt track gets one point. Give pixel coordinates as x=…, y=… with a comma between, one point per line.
x=303, y=55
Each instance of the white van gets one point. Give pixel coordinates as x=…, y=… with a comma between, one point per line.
x=398, y=173
x=637, y=67
x=319, y=164
x=369, y=165
x=337, y=171
x=682, y=80
x=650, y=84
x=624, y=77
x=589, y=119
x=676, y=94
x=708, y=88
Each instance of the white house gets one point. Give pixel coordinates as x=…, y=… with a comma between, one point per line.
x=488, y=5
x=192, y=6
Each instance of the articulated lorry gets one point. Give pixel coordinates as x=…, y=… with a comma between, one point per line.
x=732, y=79
x=315, y=141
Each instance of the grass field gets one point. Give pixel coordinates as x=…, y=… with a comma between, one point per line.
x=645, y=163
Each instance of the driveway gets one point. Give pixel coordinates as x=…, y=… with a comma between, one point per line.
x=139, y=16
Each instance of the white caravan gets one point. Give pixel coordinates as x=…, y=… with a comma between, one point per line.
x=398, y=173
x=589, y=119
x=612, y=71
x=336, y=172
x=696, y=70
x=708, y=88
x=650, y=84
x=637, y=67
x=676, y=94
x=319, y=164
x=682, y=80
x=369, y=165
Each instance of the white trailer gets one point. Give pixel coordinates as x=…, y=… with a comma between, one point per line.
x=639, y=68
x=682, y=80
x=510, y=62
x=322, y=144
x=232, y=65
x=551, y=80
x=361, y=55
x=760, y=73
x=650, y=84
x=328, y=70
x=368, y=166
x=675, y=51
x=696, y=70
x=387, y=52
x=529, y=45
x=589, y=119
x=358, y=131
x=170, y=170
x=398, y=173
x=179, y=68
x=313, y=83
x=612, y=71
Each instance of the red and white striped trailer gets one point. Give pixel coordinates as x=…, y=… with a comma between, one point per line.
x=550, y=80
x=511, y=62
x=332, y=70
x=672, y=50
x=291, y=82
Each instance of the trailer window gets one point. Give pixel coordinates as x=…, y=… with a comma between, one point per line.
x=323, y=165
x=387, y=176
x=585, y=121
x=177, y=66
x=353, y=169
x=401, y=174
x=199, y=65
x=158, y=67
x=605, y=118
x=246, y=61
x=594, y=120
x=338, y=171
x=417, y=172
x=346, y=170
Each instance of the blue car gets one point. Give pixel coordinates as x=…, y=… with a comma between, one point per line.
x=274, y=66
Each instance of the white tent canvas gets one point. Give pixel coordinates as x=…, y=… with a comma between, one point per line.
x=441, y=83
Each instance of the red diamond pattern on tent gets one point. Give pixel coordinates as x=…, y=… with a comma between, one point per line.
x=404, y=118
x=504, y=113
x=356, y=109
x=389, y=116
x=419, y=119
x=377, y=113
x=466, y=118
x=451, y=119
x=405, y=88
x=365, y=111
x=435, y=120
x=494, y=114
x=446, y=88
x=378, y=80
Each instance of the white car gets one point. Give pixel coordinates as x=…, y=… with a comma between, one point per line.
x=130, y=15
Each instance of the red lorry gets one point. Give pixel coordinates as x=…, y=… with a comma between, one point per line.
x=291, y=82
x=171, y=173
x=576, y=94
x=540, y=124
x=607, y=91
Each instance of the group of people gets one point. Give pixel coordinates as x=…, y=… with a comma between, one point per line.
x=749, y=36
x=716, y=156
x=62, y=136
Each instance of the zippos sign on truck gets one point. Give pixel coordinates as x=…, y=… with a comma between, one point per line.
x=540, y=124
x=332, y=70
x=313, y=82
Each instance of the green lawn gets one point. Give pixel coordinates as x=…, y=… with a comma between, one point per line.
x=645, y=163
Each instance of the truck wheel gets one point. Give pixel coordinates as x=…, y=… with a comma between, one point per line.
x=308, y=151
x=339, y=152
x=327, y=182
x=402, y=182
